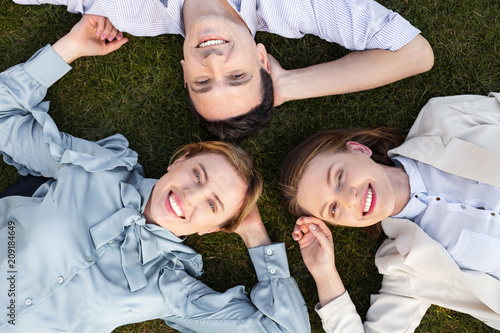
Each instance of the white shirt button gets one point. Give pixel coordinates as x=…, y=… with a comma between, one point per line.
x=272, y=271
x=89, y=259
x=110, y=242
x=462, y=206
x=269, y=252
x=60, y=279
x=28, y=301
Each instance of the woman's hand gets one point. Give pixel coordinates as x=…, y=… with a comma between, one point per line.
x=92, y=35
x=316, y=245
x=252, y=230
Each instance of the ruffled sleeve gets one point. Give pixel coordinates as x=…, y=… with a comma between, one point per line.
x=29, y=138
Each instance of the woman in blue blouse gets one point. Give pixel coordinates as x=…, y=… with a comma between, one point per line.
x=98, y=245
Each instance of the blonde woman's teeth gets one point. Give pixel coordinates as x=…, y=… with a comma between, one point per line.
x=174, y=205
x=212, y=42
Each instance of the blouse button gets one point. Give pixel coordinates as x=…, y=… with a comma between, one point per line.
x=60, y=279
x=110, y=242
x=492, y=214
x=89, y=259
x=438, y=198
x=416, y=195
x=269, y=252
x=28, y=301
x=462, y=206
x=272, y=271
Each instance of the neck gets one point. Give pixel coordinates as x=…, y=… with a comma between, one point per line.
x=401, y=187
x=193, y=9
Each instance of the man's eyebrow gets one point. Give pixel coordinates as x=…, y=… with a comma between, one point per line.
x=205, y=176
x=232, y=83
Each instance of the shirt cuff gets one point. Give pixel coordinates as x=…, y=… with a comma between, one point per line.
x=332, y=307
x=46, y=66
x=270, y=262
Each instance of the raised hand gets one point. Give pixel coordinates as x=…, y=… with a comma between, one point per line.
x=92, y=35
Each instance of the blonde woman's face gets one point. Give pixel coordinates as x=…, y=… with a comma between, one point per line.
x=347, y=188
x=197, y=195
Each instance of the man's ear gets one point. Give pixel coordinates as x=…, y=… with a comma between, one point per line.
x=264, y=60
x=177, y=161
x=209, y=231
x=358, y=147
x=183, y=64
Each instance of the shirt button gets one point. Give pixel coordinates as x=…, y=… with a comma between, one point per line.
x=492, y=214
x=438, y=198
x=89, y=259
x=110, y=242
x=269, y=252
x=462, y=206
x=28, y=301
x=272, y=271
x=60, y=279
x=416, y=195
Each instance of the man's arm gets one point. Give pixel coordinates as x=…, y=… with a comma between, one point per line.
x=357, y=71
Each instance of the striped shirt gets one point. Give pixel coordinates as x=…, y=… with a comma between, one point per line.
x=354, y=24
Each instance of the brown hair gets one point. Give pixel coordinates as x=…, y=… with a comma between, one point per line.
x=378, y=140
x=242, y=162
x=245, y=124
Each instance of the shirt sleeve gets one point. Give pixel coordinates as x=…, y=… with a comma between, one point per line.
x=275, y=304
x=387, y=313
x=355, y=24
x=29, y=138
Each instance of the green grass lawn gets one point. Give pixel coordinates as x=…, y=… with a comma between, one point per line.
x=138, y=91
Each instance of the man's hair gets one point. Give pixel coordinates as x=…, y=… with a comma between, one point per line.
x=380, y=141
x=245, y=124
x=242, y=162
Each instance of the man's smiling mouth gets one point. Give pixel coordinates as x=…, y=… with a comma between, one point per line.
x=211, y=42
x=175, y=207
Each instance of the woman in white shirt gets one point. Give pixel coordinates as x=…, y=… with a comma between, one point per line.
x=438, y=196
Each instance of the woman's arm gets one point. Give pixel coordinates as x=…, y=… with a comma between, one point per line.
x=389, y=312
x=275, y=303
x=29, y=139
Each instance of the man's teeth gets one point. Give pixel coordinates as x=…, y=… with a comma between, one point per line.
x=212, y=42
x=368, y=202
x=175, y=206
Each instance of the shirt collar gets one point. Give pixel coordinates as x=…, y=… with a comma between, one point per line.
x=417, y=186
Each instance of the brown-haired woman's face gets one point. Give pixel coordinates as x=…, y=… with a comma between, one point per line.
x=197, y=195
x=346, y=188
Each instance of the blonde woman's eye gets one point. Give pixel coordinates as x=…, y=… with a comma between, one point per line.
x=212, y=205
x=237, y=76
x=197, y=176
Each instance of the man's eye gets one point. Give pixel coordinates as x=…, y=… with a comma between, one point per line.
x=202, y=82
x=237, y=76
x=197, y=176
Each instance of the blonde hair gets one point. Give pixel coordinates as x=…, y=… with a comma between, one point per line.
x=242, y=162
x=378, y=140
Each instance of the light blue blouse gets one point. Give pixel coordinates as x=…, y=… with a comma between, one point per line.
x=78, y=255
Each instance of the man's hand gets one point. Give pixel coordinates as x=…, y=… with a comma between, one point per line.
x=278, y=75
x=252, y=230
x=93, y=35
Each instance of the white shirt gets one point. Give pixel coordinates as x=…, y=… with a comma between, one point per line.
x=461, y=214
x=354, y=24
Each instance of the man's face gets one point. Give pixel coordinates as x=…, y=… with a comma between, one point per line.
x=222, y=68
